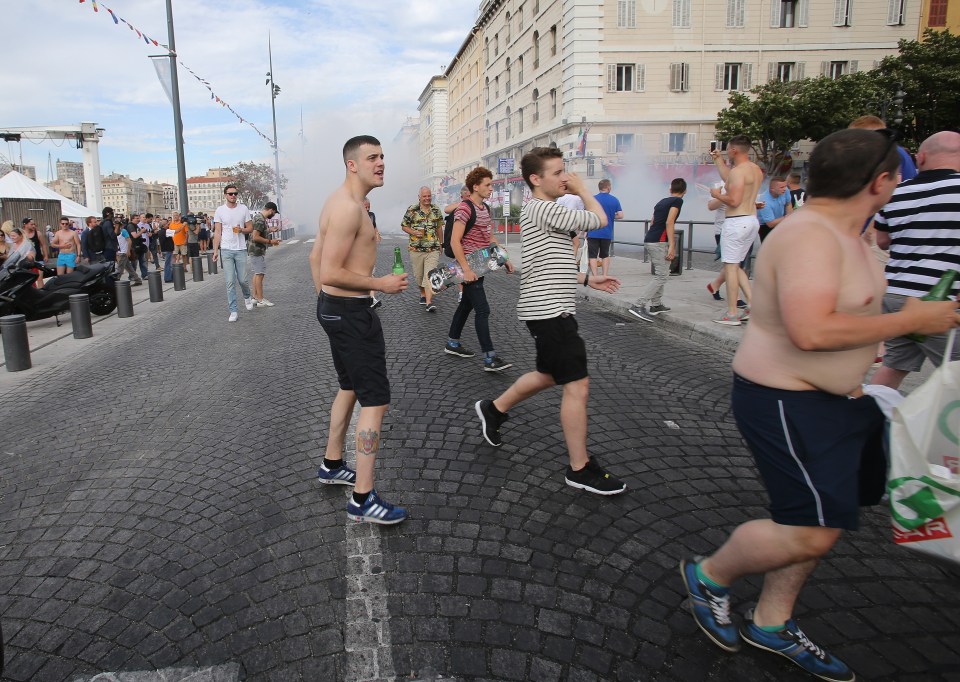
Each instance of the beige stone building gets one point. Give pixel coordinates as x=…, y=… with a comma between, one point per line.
x=205, y=192
x=605, y=80
x=70, y=189
x=432, y=134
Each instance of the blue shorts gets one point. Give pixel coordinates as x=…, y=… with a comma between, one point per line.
x=808, y=447
x=67, y=259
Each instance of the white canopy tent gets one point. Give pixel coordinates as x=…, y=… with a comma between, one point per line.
x=15, y=185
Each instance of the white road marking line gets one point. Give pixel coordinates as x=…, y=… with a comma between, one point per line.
x=309, y=241
x=292, y=241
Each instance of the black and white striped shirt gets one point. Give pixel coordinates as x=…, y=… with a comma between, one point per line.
x=548, y=282
x=923, y=219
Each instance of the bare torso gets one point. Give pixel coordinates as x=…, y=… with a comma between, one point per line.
x=65, y=241
x=345, y=225
x=752, y=178
x=767, y=355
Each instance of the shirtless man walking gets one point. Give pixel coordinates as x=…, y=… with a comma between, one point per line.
x=341, y=261
x=740, y=227
x=797, y=398
x=67, y=241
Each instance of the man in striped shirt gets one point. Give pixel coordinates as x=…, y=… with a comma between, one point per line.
x=921, y=228
x=548, y=288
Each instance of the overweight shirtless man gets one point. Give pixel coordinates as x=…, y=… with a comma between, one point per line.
x=341, y=261
x=797, y=395
x=740, y=227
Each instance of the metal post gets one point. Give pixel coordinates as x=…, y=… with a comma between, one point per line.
x=155, y=285
x=80, y=316
x=274, y=91
x=177, y=121
x=16, y=345
x=196, y=267
x=211, y=264
x=124, y=297
x=179, y=278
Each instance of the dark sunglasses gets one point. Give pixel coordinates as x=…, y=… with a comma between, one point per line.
x=891, y=136
x=231, y=194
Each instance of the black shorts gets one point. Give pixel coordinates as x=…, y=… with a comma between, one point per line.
x=809, y=447
x=193, y=249
x=598, y=248
x=561, y=352
x=357, y=345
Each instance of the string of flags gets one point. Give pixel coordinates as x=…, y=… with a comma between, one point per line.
x=117, y=20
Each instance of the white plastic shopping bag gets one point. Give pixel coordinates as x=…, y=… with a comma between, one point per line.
x=924, y=481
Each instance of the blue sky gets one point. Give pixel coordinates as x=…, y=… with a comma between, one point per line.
x=352, y=67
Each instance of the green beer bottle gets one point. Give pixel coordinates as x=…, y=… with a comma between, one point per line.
x=398, y=262
x=939, y=292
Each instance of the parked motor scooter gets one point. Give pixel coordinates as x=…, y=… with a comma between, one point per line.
x=18, y=295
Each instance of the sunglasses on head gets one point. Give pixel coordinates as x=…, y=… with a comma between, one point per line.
x=891, y=136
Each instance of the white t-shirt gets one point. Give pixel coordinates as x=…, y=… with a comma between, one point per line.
x=571, y=201
x=228, y=219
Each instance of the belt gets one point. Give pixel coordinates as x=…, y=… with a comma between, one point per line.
x=346, y=301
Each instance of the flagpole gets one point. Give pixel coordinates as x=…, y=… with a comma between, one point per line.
x=177, y=121
x=274, y=90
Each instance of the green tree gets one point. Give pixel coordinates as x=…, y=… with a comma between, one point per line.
x=256, y=183
x=929, y=71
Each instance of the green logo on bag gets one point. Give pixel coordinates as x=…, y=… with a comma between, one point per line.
x=944, y=426
x=923, y=502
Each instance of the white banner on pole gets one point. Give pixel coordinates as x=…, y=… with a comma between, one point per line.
x=162, y=65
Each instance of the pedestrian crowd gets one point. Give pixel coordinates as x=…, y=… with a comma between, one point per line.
x=818, y=302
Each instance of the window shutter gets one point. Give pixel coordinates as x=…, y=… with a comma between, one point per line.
x=641, y=77
x=677, y=13
x=839, y=12
x=719, y=77
x=664, y=142
x=675, y=77
x=731, y=12
x=771, y=71
x=800, y=70
x=740, y=12
x=803, y=13
x=775, y=6
x=611, y=144
x=895, y=12
x=632, y=14
x=746, y=77
x=685, y=77
x=611, y=77
x=854, y=66
x=824, y=68
x=690, y=142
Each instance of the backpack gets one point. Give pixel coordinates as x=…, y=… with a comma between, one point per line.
x=448, y=228
x=95, y=241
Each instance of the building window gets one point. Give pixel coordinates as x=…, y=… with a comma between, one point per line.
x=520, y=20
x=536, y=49
x=938, y=13
x=620, y=77
x=786, y=72
x=626, y=13
x=507, y=131
x=520, y=70
x=842, y=12
x=536, y=7
x=536, y=106
x=496, y=44
x=496, y=87
x=486, y=50
x=731, y=77
x=553, y=39
x=679, y=77
x=895, y=12
x=783, y=13
x=681, y=13
x=520, y=121
x=837, y=69
x=496, y=132
x=506, y=87
x=486, y=127
x=508, y=29
x=735, y=14
x=553, y=103
x=620, y=143
x=486, y=91
x=676, y=142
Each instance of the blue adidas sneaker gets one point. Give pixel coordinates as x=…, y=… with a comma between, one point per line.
x=793, y=644
x=711, y=609
x=375, y=510
x=342, y=475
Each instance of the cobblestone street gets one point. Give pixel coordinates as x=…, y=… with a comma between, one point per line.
x=160, y=510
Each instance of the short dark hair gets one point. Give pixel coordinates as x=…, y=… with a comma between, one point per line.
x=838, y=160
x=741, y=141
x=352, y=146
x=107, y=212
x=476, y=176
x=678, y=186
x=778, y=178
x=26, y=220
x=796, y=177
x=230, y=187
x=271, y=205
x=534, y=160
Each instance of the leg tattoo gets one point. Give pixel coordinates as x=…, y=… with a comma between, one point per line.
x=368, y=442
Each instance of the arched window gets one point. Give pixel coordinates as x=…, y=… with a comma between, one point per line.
x=520, y=70
x=486, y=128
x=486, y=50
x=536, y=105
x=496, y=44
x=509, y=77
x=553, y=39
x=496, y=87
x=486, y=91
x=507, y=134
x=536, y=49
x=520, y=121
x=508, y=29
x=553, y=103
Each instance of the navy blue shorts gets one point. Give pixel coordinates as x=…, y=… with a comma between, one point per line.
x=808, y=446
x=357, y=345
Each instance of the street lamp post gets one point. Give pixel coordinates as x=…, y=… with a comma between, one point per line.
x=274, y=91
x=177, y=121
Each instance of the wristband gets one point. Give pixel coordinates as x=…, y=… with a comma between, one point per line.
x=586, y=279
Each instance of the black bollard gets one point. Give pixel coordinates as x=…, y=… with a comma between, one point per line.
x=155, y=284
x=211, y=264
x=179, y=278
x=124, y=296
x=196, y=266
x=80, y=316
x=16, y=346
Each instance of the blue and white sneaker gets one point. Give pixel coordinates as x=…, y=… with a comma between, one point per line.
x=342, y=475
x=793, y=644
x=375, y=510
x=711, y=610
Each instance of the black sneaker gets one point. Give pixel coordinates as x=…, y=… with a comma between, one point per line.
x=640, y=312
x=657, y=309
x=459, y=350
x=594, y=479
x=490, y=421
x=741, y=303
x=495, y=364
